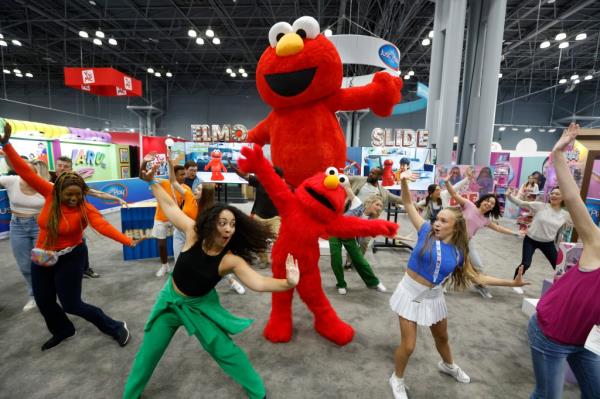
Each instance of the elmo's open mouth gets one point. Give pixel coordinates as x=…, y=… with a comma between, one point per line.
x=319, y=197
x=290, y=84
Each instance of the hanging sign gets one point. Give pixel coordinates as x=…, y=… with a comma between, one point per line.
x=102, y=82
x=215, y=133
x=388, y=137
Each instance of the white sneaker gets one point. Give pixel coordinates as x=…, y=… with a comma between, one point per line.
x=483, y=291
x=29, y=305
x=398, y=387
x=237, y=287
x=455, y=372
x=380, y=287
x=518, y=290
x=342, y=291
x=164, y=269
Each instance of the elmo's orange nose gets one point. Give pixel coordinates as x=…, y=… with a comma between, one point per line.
x=289, y=44
x=331, y=182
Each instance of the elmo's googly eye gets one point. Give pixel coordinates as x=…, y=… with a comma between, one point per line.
x=306, y=27
x=344, y=181
x=277, y=31
x=331, y=171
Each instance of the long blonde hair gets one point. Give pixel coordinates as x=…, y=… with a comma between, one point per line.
x=41, y=168
x=462, y=276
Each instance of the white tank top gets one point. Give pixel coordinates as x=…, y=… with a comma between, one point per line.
x=19, y=201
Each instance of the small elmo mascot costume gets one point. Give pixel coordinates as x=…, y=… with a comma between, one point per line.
x=388, y=178
x=216, y=166
x=314, y=209
x=300, y=75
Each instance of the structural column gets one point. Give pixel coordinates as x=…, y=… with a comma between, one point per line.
x=480, y=80
x=444, y=76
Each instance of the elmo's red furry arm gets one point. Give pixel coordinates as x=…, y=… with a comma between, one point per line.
x=352, y=226
x=260, y=134
x=275, y=186
x=380, y=95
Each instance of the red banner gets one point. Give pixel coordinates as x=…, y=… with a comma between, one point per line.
x=102, y=81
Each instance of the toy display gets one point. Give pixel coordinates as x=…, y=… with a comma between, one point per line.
x=388, y=178
x=216, y=165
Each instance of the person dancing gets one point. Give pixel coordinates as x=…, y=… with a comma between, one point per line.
x=567, y=313
x=441, y=252
x=62, y=220
x=223, y=240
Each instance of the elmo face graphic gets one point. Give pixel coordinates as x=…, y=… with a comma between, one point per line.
x=215, y=154
x=299, y=66
x=323, y=194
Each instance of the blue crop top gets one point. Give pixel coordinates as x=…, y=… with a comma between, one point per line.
x=436, y=264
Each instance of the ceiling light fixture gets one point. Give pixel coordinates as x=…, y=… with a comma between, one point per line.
x=210, y=33
x=502, y=128
x=83, y=34
x=574, y=77
x=112, y=41
x=551, y=1
x=97, y=42
x=430, y=34
x=581, y=36
x=100, y=34
x=576, y=81
x=406, y=77
x=6, y=71
x=545, y=44
x=426, y=42
x=18, y=75
x=232, y=74
x=200, y=41
x=245, y=74
x=241, y=70
x=515, y=129
x=528, y=129
x=3, y=43
x=169, y=75
x=552, y=130
x=563, y=45
x=1, y=36
x=328, y=32
x=500, y=75
x=16, y=42
x=562, y=81
x=542, y=130
x=411, y=73
x=192, y=33
x=29, y=75
x=560, y=36
x=216, y=40
x=588, y=77
x=150, y=70
x=229, y=71
x=157, y=74
x=16, y=70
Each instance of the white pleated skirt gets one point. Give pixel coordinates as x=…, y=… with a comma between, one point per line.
x=419, y=303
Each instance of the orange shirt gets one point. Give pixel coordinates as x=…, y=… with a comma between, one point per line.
x=190, y=205
x=73, y=221
x=166, y=185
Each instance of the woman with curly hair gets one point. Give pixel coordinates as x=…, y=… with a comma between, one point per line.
x=62, y=220
x=222, y=240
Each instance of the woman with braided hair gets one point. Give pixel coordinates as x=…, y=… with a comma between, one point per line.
x=58, y=257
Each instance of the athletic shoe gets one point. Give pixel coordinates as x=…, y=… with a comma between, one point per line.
x=348, y=265
x=398, y=387
x=123, y=335
x=454, y=371
x=164, y=269
x=483, y=291
x=54, y=341
x=29, y=305
x=237, y=287
x=518, y=290
x=90, y=273
x=342, y=291
x=379, y=287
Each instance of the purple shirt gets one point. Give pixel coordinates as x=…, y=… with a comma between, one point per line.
x=571, y=307
x=475, y=220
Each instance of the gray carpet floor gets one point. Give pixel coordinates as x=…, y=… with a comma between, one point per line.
x=488, y=337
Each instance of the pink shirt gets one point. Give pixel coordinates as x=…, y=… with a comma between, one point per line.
x=475, y=220
x=571, y=307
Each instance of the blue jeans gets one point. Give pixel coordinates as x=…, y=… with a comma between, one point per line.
x=549, y=366
x=23, y=235
x=178, y=242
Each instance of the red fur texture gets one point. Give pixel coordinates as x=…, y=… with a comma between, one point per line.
x=216, y=166
x=388, y=178
x=311, y=211
x=303, y=131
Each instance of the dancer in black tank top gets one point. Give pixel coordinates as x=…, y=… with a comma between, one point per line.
x=223, y=240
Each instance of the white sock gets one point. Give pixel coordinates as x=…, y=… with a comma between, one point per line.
x=399, y=379
x=451, y=366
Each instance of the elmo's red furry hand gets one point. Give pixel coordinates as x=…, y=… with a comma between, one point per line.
x=385, y=92
x=253, y=159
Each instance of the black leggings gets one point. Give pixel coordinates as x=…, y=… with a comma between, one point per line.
x=529, y=247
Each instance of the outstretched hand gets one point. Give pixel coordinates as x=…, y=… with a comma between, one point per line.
x=292, y=271
x=519, y=281
x=7, y=131
x=409, y=175
x=147, y=175
x=253, y=156
x=568, y=137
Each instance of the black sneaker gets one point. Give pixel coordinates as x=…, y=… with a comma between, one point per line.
x=123, y=335
x=54, y=341
x=90, y=273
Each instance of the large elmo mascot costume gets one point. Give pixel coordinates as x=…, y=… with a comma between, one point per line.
x=216, y=166
x=300, y=75
x=314, y=209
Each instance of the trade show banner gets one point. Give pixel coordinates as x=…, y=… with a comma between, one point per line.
x=4, y=214
x=200, y=152
x=594, y=187
x=593, y=207
x=482, y=183
x=34, y=149
x=137, y=222
x=92, y=161
x=576, y=159
x=130, y=190
x=421, y=162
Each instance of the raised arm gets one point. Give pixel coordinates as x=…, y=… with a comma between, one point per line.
x=460, y=200
x=258, y=282
x=589, y=233
x=531, y=205
x=260, y=134
x=351, y=226
x=20, y=165
x=278, y=191
x=166, y=202
x=102, y=226
x=409, y=206
x=106, y=196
